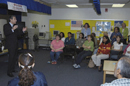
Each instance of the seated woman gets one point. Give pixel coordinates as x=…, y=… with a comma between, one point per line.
x=26, y=76
x=103, y=52
x=88, y=50
x=69, y=40
x=101, y=39
x=79, y=43
x=117, y=47
x=126, y=51
x=62, y=36
x=95, y=40
x=57, y=46
x=114, y=34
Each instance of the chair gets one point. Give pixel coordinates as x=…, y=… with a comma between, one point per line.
x=117, y=57
x=69, y=50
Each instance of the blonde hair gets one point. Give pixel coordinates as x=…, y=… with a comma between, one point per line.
x=106, y=33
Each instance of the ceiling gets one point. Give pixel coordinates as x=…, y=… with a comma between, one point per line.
x=86, y=3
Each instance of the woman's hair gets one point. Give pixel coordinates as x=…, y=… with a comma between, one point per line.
x=124, y=23
x=63, y=35
x=59, y=36
x=92, y=38
x=82, y=35
x=117, y=29
x=87, y=25
x=93, y=34
x=120, y=39
x=26, y=75
x=108, y=40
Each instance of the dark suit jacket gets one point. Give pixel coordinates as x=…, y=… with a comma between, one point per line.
x=11, y=37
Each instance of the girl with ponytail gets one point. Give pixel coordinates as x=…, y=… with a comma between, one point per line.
x=26, y=76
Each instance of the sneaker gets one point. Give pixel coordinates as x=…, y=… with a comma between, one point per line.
x=52, y=62
x=49, y=62
x=55, y=62
x=76, y=67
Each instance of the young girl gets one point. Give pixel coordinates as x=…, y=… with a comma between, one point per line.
x=26, y=76
x=103, y=52
x=88, y=50
x=117, y=47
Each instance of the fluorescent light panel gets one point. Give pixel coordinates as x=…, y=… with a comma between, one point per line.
x=71, y=5
x=118, y=5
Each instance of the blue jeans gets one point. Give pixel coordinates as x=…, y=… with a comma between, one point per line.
x=57, y=54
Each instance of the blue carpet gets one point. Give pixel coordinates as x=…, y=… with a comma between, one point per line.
x=59, y=75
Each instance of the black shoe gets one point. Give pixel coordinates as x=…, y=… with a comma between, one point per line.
x=15, y=71
x=10, y=74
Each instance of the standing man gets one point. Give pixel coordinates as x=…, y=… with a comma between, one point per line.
x=11, y=33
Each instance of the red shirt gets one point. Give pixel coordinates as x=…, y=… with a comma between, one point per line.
x=57, y=45
x=104, y=49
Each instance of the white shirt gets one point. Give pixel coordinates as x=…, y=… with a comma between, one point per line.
x=117, y=46
x=11, y=26
x=128, y=49
x=63, y=39
x=122, y=31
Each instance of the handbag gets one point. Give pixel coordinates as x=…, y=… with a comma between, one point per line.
x=91, y=63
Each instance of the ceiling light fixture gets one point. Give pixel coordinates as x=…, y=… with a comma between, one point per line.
x=118, y=5
x=72, y=5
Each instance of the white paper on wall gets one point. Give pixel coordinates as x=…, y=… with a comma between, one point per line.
x=93, y=29
x=97, y=33
x=67, y=24
x=52, y=26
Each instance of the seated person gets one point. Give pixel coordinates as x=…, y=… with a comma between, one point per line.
x=126, y=51
x=69, y=40
x=88, y=50
x=102, y=53
x=57, y=46
x=114, y=34
x=62, y=36
x=26, y=76
x=79, y=43
x=101, y=39
x=122, y=72
x=95, y=39
x=117, y=47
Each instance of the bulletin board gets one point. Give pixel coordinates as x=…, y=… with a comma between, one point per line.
x=65, y=26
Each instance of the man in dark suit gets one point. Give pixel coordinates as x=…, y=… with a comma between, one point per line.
x=11, y=34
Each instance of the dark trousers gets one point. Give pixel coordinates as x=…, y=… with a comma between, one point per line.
x=79, y=50
x=114, y=53
x=82, y=55
x=12, y=59
x=124, y=41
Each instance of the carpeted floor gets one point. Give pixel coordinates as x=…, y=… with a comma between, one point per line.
x=58, y=75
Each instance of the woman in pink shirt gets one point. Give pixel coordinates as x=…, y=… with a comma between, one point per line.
x=57, y=46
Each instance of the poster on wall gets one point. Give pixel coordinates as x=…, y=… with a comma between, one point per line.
x=76, y=25
x=103, y=26
x=118, y=24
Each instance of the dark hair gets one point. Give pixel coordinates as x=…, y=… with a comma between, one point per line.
x=82, y=35
x=70, y=33
x=59, y=36
x=108, y=40
x=94, y=34
x=117, y=29
x=11, y=17
x=120, y=39
x=92, y=38
x=87, y=25
x=62, y=34
x=26, y=75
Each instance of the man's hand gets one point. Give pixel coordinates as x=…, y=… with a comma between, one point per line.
x=15, y=27
x=24, y=29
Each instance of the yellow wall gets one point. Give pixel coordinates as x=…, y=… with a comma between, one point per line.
x=60, y=25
